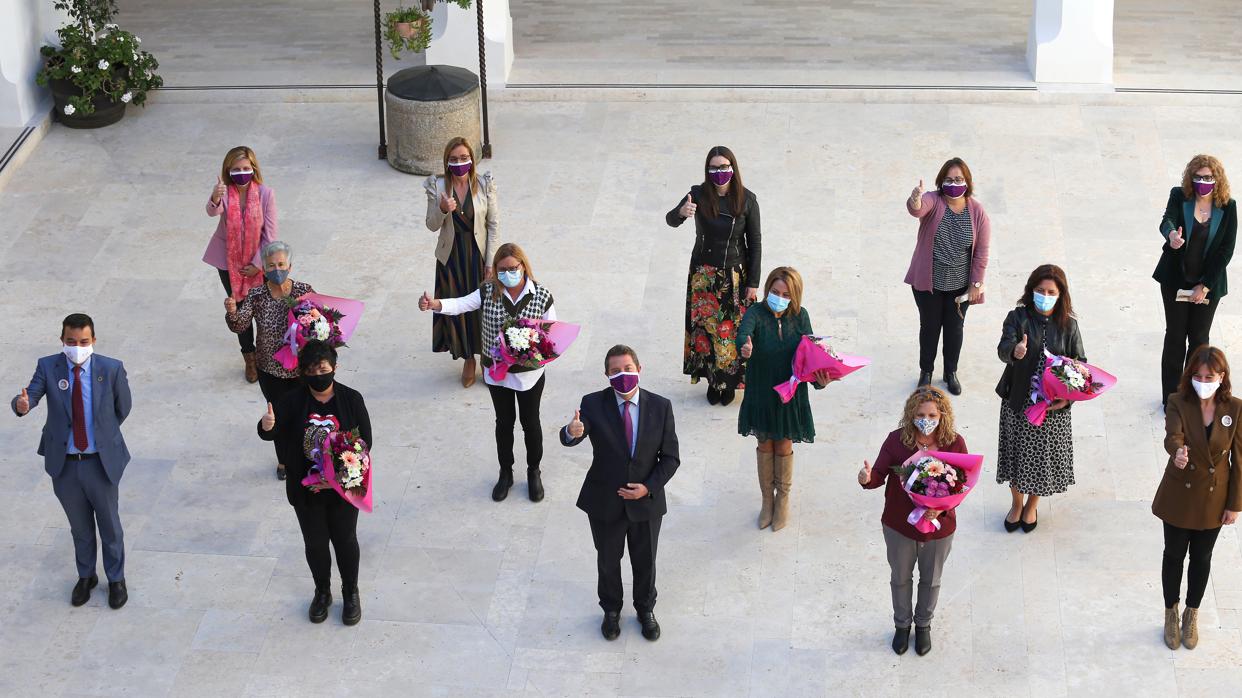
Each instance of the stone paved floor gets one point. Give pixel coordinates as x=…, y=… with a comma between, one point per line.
x=466, y=597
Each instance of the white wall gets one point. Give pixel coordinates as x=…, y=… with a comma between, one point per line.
x=25, y=26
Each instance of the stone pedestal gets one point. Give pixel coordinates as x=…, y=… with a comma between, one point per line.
x=455, y=38
x=1071, y=42
x=427, y=106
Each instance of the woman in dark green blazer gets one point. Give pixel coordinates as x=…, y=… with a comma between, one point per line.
x=1200, y=227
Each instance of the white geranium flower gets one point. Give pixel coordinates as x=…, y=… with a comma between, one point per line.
x=76, y=69
x=69, y=110
x=127, y=97
x=137, y=39
x=103, y=65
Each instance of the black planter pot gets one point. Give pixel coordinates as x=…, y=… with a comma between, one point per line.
x=107, y=112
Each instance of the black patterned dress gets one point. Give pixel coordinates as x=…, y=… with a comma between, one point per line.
x=461, y=276
x=1035, y=460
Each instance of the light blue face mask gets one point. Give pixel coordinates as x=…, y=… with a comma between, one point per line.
x=1044, y=304
x=510, y=278
x=777, y=303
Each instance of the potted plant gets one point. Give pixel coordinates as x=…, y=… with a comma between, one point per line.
x=98, y=69
x=407, y=29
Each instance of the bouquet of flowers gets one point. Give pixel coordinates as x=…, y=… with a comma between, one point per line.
x=313, y=316
x=342, y=463
x=528, y=344
x=813, y=354
x=1064, y=378
x=937, y=480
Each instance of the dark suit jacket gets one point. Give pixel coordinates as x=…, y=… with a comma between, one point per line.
x=654, y=462
x=291, y=412
x=110, y=404
x=1222, y=235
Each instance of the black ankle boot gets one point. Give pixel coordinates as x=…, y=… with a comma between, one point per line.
x=727, y=395
x=924, y=378
x=501, y=490
x=534, y=485
x=713, y=396
x=319, y=606
x=951, y=382
x=351, y=609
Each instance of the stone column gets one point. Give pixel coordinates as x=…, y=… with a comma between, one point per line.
x=1071, y=42
x=25, y=25
x=455, y=38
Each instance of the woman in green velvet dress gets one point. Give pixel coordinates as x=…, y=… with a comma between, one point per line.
x=768, y=338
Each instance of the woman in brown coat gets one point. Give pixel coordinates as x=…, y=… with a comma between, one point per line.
x=1202, y=485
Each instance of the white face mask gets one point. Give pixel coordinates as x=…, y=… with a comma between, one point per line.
x=77, y=355
x=1204, y=390
x=926, y=426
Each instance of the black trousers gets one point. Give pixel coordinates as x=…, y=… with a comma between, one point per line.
x=245, y=339
x=274, y=388
x=503, y=400
x=1186, y=326
x=938, y=312
x=610, y=542
x=1177, y=541
x=326, y=517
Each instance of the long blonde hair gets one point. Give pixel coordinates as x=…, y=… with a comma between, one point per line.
x=946, y=432
x=510, y=249
x=793, y=280
x=472, y=177
x=1220, y=193
x=236, y=154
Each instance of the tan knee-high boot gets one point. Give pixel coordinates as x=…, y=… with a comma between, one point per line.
x=766, y=485
x=784, y=481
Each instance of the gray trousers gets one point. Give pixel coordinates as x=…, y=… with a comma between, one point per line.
x=903, y=553
x=89, y=499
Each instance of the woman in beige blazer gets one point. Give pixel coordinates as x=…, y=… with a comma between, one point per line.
x=1202, y=485
x=461, y=204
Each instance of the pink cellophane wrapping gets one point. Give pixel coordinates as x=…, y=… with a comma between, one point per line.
x=351, y=312
x=325, y=476
x=561, y=334
x=809, y=358
x=1052, y=389
x=970, y=463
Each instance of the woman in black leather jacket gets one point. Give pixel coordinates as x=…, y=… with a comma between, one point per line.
x=724, y=273
x=1035, y=461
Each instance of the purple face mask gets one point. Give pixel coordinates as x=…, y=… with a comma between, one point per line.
x=460, y=169
x=720, y=178
x=624, y=382
x=241, y=179
x=952, y=190
x=1204, y=188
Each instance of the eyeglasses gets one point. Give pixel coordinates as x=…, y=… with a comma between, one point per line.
x=725, y=168
x=1203, y=180
x=955, y=180
x=510, y=269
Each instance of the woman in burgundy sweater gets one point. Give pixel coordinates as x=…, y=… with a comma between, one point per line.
x=926, y=424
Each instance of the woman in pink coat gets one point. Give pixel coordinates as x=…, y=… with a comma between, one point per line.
x=247, y=211
x=946, y=271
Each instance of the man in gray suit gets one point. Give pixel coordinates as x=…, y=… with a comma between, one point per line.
x=82, y=448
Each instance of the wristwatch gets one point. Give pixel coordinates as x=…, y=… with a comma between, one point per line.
x=977, y=284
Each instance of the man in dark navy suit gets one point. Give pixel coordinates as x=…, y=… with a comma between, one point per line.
x=634, y=445
x=83, y=450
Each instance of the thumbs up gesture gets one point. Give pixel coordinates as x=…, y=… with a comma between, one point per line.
x=426, y=302
x=747, y=349
x=230, y=305
x=575, y=427
x=916, y=195
x=688, y=207
x=1019, y=351
x=1181, y=457
x=23, y=403
x=864, y=475
x=1176, y=240
x=269, y=419
x=447, y=203
x=218, y=193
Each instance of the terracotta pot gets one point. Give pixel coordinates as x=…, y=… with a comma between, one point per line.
x=107, y=112
x=405, y=29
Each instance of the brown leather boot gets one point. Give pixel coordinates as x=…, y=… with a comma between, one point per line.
x=1172, y=633
x=783, y=474
x=766, y=486
x=252, y=367
x=1190, y=628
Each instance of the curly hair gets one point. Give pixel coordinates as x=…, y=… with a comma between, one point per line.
x=1220, y=193
x=946, y=431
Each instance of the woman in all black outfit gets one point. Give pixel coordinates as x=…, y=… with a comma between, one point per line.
x=1200, y=227
x=323, y=516
x=724, y=273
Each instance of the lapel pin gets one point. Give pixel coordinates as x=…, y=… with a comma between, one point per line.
x=63, y=384
x=1227, y=420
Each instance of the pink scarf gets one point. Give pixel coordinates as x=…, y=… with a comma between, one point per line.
x=243, y=239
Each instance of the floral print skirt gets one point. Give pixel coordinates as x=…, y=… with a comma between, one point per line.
x=715, y=304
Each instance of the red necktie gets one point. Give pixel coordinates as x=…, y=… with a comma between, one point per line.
x=80, y=441
x=629, y=427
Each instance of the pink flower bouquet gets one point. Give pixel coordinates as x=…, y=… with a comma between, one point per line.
x=344, y=465
x=937, y=480
x=529, y=344
x=1064, y=378
x=813, y=354
x=315, y=316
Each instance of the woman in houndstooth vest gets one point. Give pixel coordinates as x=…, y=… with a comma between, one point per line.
x=513, y=293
